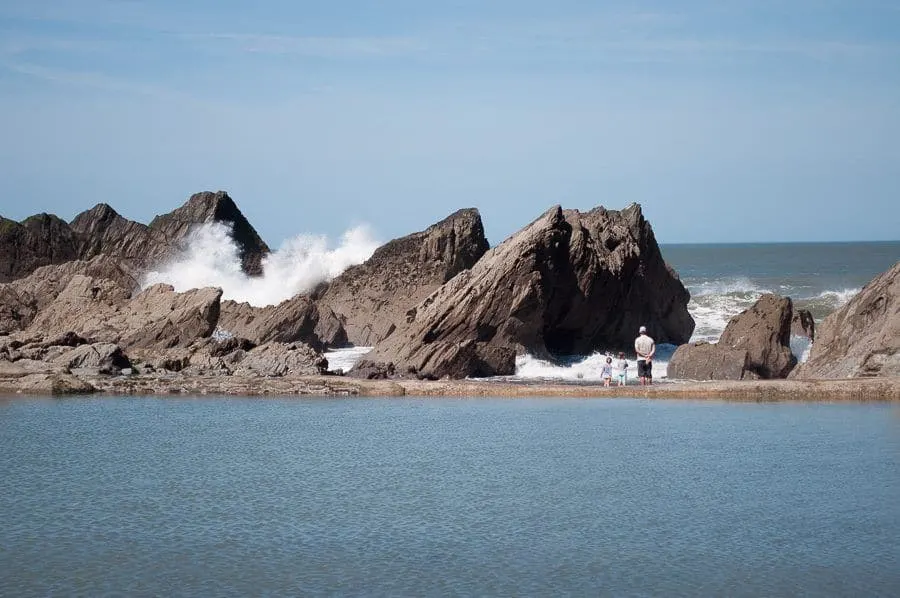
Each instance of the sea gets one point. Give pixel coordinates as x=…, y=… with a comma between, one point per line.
x=724, y=280
x=219, y=496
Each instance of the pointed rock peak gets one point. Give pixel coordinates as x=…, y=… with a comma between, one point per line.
x=44, y=220
x=209, y=206
x=100, y=213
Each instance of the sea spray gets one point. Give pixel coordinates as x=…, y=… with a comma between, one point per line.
x=211, y=258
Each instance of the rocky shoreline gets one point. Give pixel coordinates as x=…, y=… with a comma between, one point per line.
x=439, y=307
x=23, y=383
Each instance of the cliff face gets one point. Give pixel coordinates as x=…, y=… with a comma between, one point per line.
x=569, y=283
x=372, y=298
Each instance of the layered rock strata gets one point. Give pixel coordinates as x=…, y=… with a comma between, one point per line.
x=569, y=283
x=372, y=298
x=862, y=338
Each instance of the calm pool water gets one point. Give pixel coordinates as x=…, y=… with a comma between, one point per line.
x=481, y=497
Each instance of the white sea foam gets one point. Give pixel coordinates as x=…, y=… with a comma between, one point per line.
x=585, y=369
x=211, y=259
x=345, y=358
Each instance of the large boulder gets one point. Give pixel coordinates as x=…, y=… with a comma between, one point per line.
x=206, y=207
x=568, y=283
x=373, y=297
x=707, y=361
x=803, y=324
x=862, y=338
x=280, y=359
x=764, y=331
x=39, y=240
x=755, y=344
x=108, y=358
x=296, y=319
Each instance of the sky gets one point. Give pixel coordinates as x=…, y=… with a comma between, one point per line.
x=727, y=120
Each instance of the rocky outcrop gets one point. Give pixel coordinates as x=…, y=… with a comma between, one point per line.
x=106, y=358
x=862, y=338
x=569, y=283
x=280, y=359
x=40, y=240
x=102, y=231
x=99, y=308
x=22, y=299
x=754, y=344
x=207, y=206
x=44, y=239
x=372, y=298
x=297, y=319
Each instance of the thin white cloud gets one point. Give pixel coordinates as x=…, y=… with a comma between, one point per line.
x=322, y=46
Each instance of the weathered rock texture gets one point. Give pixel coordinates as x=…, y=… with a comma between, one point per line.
x=39, y=240
x=44, y=239
x=297, y=319
x=100, y=309
x=569, y=283
x=22, y=299
x=862, y=338
x=754, y=344
x=372, y=298
x=214, y=207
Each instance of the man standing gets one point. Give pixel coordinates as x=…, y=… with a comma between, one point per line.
x=645, y=347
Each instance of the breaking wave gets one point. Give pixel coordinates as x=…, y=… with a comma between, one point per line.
x=211, y=259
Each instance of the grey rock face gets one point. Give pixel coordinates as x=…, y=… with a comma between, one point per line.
x=207, y=206
x=754, y=344
x=803, y=324
x=568, y=283
x=296, y=319
x=372, y=298
x=705, y=361
x=108, y=358
x=44, y=239
x=862, y=338
x=40, y=240
x=281, y=359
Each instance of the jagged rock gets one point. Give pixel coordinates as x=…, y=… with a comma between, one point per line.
x=755, y=344
x=862, y=338
x=296, y=319
x=108, y=358
x=39, y=240
x=22, y=299
x=281, y=359
x=373, y=297
x=44, y=239
x=214, y=207
x=803, y=324
x=568, y=283
x=102, y=231
x=705, y=361
x=764, y=331
x=67, y=339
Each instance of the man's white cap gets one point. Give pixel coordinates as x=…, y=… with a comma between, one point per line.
x=642, y=329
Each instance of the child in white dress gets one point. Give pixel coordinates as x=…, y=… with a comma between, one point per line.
x=606, y=372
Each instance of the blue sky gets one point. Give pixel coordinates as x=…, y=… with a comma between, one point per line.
x=727, y=120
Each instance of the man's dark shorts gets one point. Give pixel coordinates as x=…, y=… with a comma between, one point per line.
x=645, y=368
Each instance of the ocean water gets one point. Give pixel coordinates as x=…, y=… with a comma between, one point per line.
x=427, y=497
